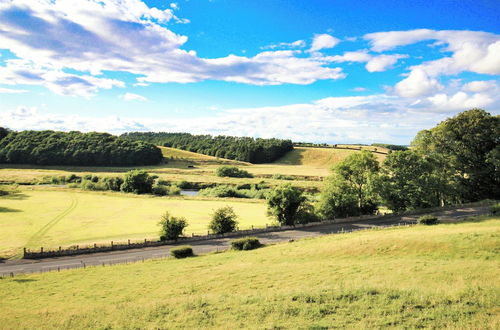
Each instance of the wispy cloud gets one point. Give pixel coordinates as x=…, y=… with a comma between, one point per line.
x=133, y=97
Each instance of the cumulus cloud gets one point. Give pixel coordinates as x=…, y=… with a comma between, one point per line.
x=480, y=86
x=417, y=83
x=133, y=97
x=363, y=119
x=323, y=41
x=295, y=44
x=374, y=63
x=110, y=35
x=11, y=91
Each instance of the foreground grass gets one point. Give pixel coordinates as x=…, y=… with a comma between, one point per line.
x=53, y=218
x=435, y=277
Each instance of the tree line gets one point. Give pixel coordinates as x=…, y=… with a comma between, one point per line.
x=245, y=149
x=74, y=148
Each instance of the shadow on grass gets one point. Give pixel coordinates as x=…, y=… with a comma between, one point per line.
x=8, y=209
x=24, y=280
x=14, y=196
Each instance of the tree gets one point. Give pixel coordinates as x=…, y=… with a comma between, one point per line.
x=410, y=181
x=467, y=143
x=232, y=171
x=224, y=220
x=138, y=182
x=284, y=202
x=350, y=188
x=359, y=169
x=171, y=227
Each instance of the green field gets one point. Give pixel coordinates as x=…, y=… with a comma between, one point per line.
x=440, y=276
x=51, y=218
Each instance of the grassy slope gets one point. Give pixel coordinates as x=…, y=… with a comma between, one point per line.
x=51, y=218
x=321, y=157
x=439, y=276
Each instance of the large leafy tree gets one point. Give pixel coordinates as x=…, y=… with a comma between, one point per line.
x=350, y=188
x=468, y=144
x=409, y=181
x=284, y=203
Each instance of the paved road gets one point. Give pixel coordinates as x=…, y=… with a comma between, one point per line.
x=9, y=268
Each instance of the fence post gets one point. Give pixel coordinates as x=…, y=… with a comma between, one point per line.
x=24, y=252
x=95, y=245
x=41, y=249
x=111, y=245
x=129, y=242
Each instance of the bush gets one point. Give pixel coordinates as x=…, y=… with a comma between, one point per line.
x=90, y=185
x=137, y=181
x=427, y=219
x=182, y=252
x=220, y=191
x=232, y=171
x=246, y=243
x=284, y=202
x=112, y=183
x=223, y=221
x=73, y=178
x=282, y=177
x=171, y=227
x=495, y=209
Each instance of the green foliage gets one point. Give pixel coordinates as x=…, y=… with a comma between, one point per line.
x=75, y=148
x=245, y=243
x=224, y=220
x=427, y=219
x=350, y=189
x=284, y=202
x=390, y=146
x=232, y=171
x=183, y=251
x=282, y=177
x=171, y=227
x=410, y=181
x=73, y=178
x=222, y=191
x=138, y=182
x=238, y=148
x=113, y=183
x=468, y=145
x=495, y=209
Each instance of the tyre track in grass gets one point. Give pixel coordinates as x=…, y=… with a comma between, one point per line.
x=35, y=238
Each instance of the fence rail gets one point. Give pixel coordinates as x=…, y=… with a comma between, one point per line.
x=130, y=244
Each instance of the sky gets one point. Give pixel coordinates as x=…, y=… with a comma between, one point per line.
x=338, y=71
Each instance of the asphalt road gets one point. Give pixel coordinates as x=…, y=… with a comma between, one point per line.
x=10, y=268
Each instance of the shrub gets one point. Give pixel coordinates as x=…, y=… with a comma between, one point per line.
x=90, y=185
x=137, y=181
x=223, y=220
x=160, y=190
x=174, y=190
x=246, y=243
x=220, y=191
x=182, y=252
x=495, y=209
x=73, y=178
x=284, y=202
x=428, y=219
x=112, y=183
x=232, y=171
x=282, y=177
x=171, y=227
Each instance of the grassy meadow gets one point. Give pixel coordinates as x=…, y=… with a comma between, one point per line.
x=42, y=217
x=439, y=276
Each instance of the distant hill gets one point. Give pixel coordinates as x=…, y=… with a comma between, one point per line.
x=173, y=154
x=321, y=157
x=244, y=149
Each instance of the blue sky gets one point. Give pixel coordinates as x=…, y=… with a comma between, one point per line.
x=318, y=71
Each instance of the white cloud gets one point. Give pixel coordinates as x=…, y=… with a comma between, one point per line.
x=374, y=63
x=133, y=97
x=295, y=44
x=128, y=36
x=363, y=119
x=416, y=84
x=383, y=62
x=480, y=86
x=11, y=91
x=323, y=41
x=358, y=89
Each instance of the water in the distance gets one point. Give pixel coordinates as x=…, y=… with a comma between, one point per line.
x=189, y=192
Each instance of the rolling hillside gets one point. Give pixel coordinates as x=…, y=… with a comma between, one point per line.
x=320, y=157
x=174, y=154
x=419, y=277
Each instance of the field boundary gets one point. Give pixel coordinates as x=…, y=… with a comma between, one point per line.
x=116, y=246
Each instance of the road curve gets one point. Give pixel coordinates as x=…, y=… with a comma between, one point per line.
x=10, y=268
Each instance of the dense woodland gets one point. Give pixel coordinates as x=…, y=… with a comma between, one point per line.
x=245, y=149
x=74, y=148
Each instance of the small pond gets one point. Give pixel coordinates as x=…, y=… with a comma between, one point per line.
x=189, y=192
